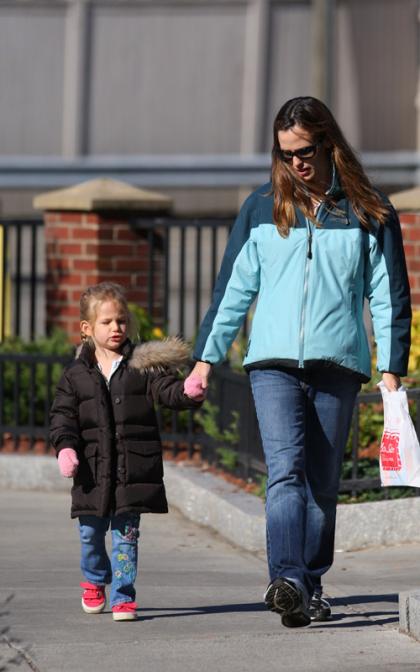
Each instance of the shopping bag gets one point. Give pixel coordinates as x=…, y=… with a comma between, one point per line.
x=399, y=455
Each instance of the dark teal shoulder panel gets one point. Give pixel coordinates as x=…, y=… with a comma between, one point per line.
x=391, y=245
x=257, y=209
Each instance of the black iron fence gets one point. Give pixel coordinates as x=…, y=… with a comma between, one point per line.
x=27, y=384
x=232, y=394
x=22, y=277
x=192, y=249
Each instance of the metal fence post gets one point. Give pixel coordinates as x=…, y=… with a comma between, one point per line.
x=2, y=274
x=4, y=285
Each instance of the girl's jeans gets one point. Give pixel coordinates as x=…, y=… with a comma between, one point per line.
x=121, y=570
x=304, y=420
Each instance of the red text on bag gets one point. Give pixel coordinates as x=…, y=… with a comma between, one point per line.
x=389, y=453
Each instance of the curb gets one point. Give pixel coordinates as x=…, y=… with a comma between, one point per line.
x=209, y=500
x=409, y=608
x=238, y=516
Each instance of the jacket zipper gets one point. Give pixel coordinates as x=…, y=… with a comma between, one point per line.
x=308, y=258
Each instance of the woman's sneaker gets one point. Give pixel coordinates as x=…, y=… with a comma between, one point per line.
x=93, y=598
x=319, y=608
x=284, y=597
x=125, y=611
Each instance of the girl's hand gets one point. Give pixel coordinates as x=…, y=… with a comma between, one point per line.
x=193, y=388
x=391, y=381
x=68, y=462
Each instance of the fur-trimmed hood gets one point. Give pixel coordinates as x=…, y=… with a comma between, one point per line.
x=157, y=356
x=153, y=356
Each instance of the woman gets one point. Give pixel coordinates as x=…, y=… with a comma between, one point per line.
x=312, y=244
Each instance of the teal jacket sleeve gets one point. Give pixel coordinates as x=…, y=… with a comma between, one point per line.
x=247, y=218
x=240, y=291
x=388, y=291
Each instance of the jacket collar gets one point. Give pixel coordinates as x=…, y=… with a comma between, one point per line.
x=86, y=352
x=336, y=200
x=335, y=190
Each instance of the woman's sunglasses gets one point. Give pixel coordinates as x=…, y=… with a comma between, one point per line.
x=302, y=153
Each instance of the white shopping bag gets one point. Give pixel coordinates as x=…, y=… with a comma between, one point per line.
x=399, y=455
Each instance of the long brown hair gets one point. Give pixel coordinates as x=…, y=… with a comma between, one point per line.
x=290, y=191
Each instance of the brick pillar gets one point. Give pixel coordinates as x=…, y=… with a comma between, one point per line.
x=89, y=239
x=410, y=224
x=407, y=204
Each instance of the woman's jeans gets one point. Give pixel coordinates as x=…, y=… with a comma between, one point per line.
x=304, y=420
x=121, y=570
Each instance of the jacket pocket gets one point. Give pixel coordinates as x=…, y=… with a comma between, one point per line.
x=86, y=472
x=353, y=330
x=144, y=462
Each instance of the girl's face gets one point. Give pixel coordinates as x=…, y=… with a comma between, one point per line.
x=109, y=330
x=314, y=164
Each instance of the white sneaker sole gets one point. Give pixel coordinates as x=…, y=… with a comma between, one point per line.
x=124, y=616
x=93, y=610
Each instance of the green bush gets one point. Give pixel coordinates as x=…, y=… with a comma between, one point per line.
x=26, y=385
x=142, y=327
x=227, y=439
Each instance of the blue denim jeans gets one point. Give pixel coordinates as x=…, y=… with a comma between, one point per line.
x=121, y=570
x=304, y=420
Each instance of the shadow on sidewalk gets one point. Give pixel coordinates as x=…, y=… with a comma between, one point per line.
x=392, y=598
x=364, y=618
x=196, y=611
x=383, y=617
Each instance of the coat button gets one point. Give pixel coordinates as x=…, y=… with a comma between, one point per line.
x=117, y=400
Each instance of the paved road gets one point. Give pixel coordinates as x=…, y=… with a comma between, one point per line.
x=200, y=603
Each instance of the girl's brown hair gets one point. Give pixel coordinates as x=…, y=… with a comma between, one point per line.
x=289, y=191
x=93, y=296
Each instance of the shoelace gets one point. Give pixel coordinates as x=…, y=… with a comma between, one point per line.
x=91, y=593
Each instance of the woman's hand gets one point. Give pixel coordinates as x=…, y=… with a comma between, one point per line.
x=391, y=381
x=200, y=372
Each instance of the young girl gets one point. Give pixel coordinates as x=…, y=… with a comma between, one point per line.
x=105, y=432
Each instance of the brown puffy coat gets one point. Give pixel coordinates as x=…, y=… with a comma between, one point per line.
x=114, y=431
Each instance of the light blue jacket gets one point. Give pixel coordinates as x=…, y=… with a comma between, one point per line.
x=311, y=288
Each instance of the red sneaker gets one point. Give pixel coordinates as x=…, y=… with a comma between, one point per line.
x=93, y=598
x=127, y=611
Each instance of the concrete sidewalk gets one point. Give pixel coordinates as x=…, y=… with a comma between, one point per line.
x=200, y=603
x=239, y=517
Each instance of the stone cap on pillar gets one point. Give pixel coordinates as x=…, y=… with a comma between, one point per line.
x=407, y=200
x=103, y=195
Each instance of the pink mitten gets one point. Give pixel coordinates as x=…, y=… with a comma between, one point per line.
x=193, y=388
x=67, y=462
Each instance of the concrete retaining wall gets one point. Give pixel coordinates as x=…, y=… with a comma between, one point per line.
x=238, y=516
